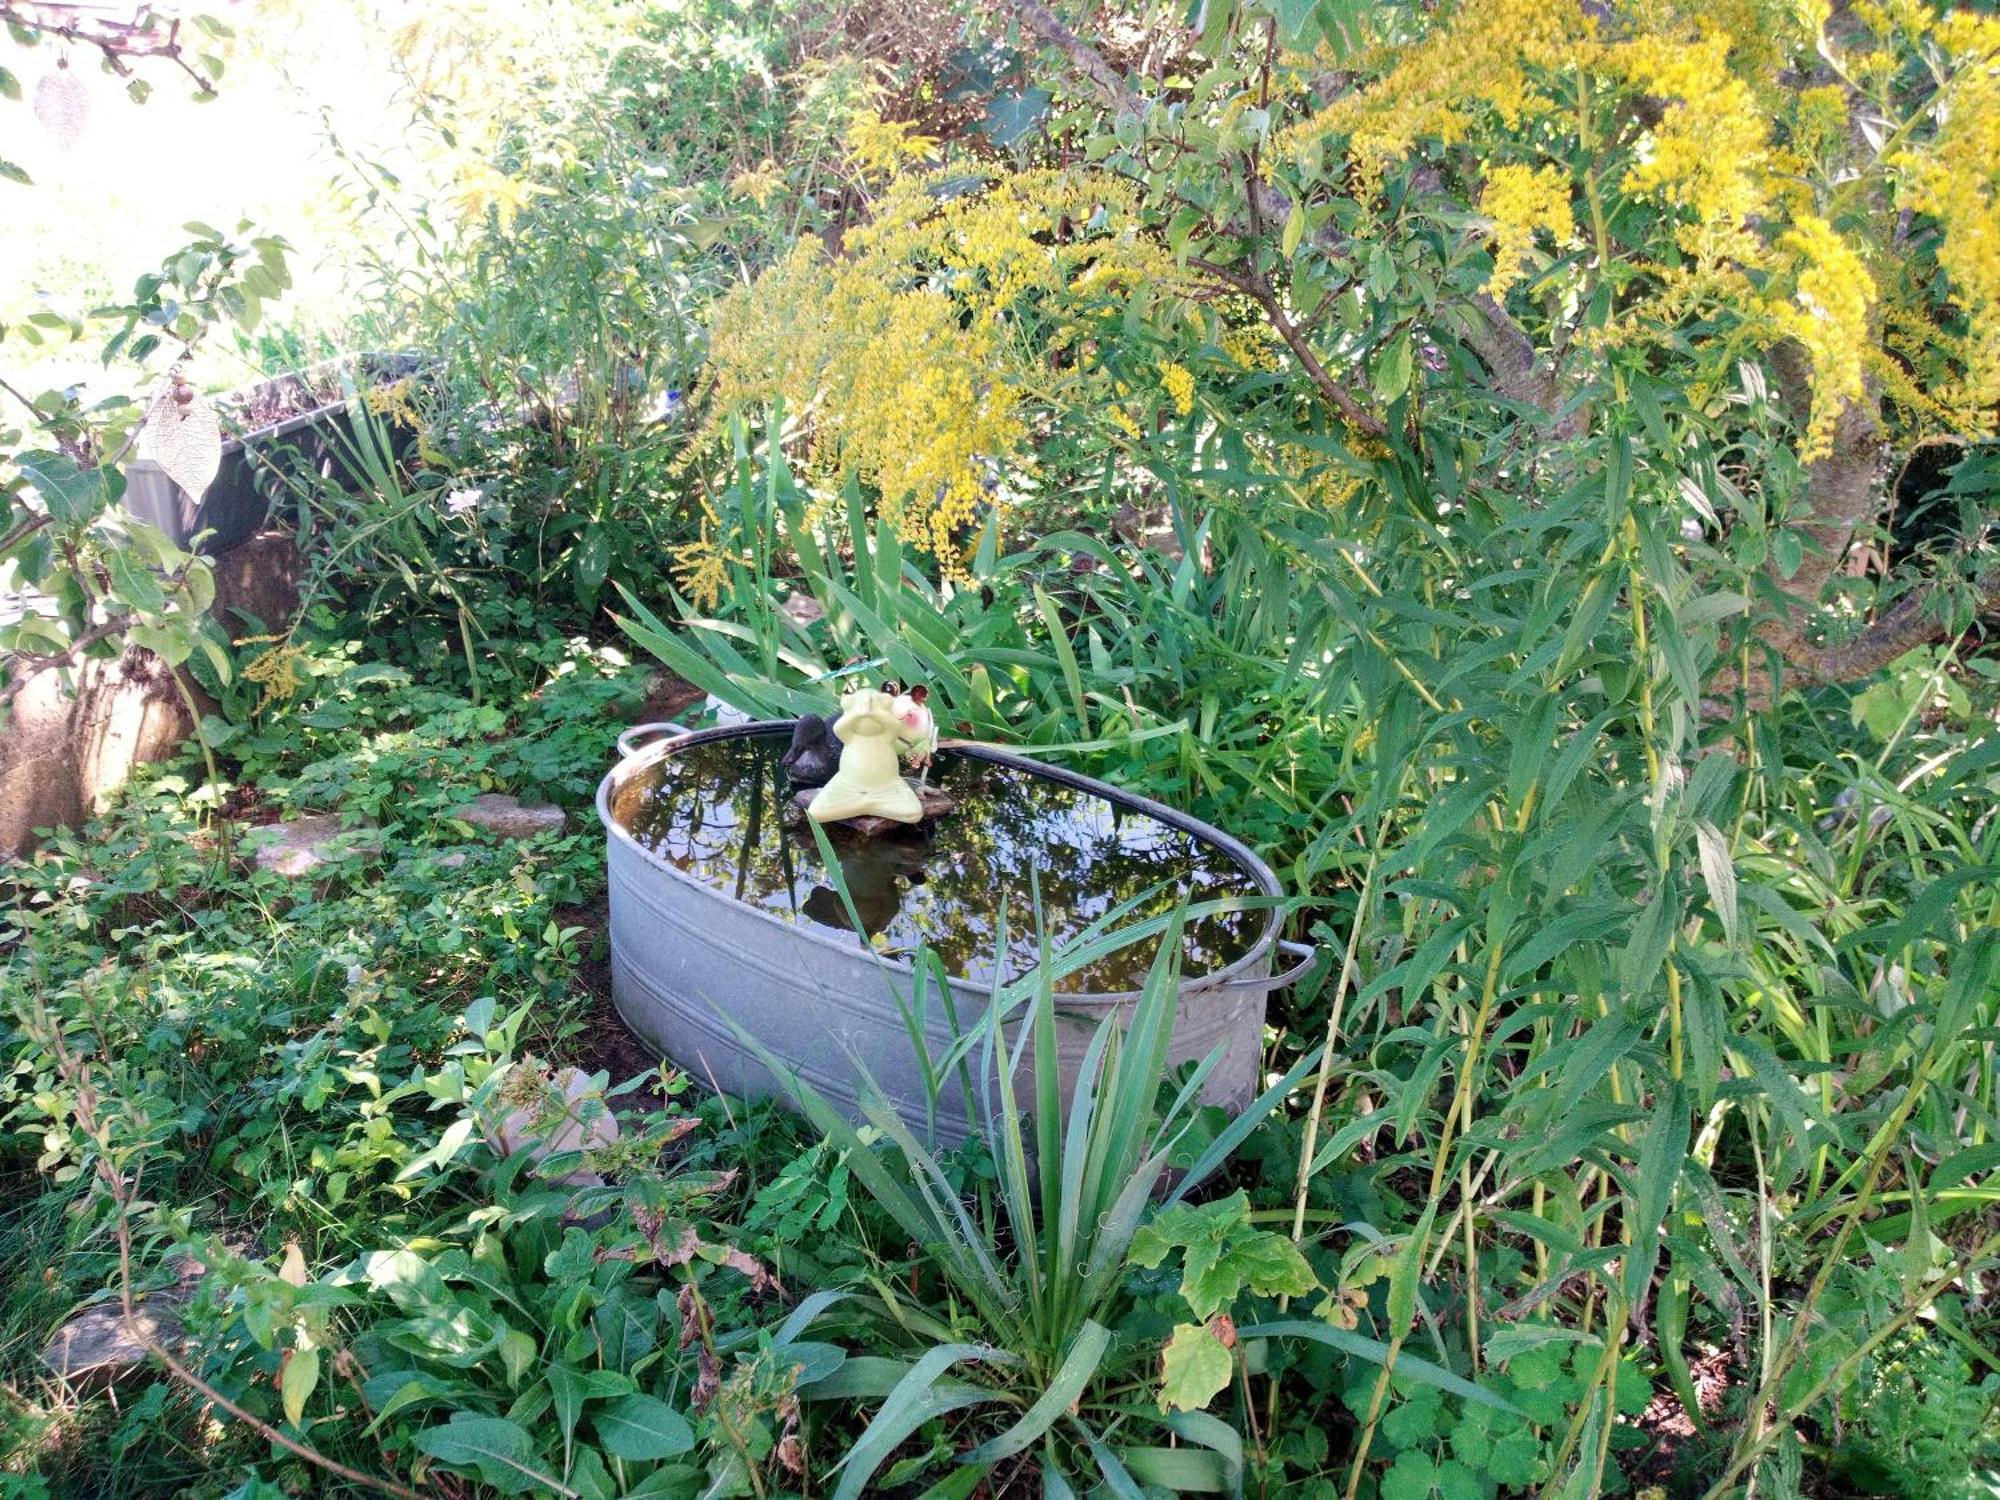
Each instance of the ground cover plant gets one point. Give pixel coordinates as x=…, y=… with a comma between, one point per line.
x=1527, y=470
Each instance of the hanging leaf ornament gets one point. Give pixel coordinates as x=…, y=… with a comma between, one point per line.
x=184, y=436
x=62, y=104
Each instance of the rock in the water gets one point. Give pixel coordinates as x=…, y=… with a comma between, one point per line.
x=508, y=817
x=814, y=754
x=936, y=803
x=97, y=1341
x=302, y=846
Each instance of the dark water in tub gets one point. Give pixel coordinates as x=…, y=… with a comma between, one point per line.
x=723, y=812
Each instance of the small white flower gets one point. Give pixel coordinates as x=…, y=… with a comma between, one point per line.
x=458, y=502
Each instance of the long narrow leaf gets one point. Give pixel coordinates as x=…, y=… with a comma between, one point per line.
x=1376, y=1352
x=913, y=1402
x=1065, y=1386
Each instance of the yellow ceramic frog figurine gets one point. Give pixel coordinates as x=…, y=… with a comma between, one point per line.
x=870, y=781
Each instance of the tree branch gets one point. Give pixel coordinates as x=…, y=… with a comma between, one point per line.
x=22, y=669
x=22, y=532
x=1843, y=488
x=1905, y=625
x=1085, y=58
x=1260, y=291
x=117, y=40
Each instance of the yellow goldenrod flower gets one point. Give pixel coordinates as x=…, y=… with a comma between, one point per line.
x=759, y=184
x=1520, y=200
x=884, y=146
x=902, y=359
x=1830, y=315
x=1955, y=179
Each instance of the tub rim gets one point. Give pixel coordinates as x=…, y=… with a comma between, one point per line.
x=1236, y=974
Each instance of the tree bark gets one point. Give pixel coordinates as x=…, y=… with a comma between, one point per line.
x=1519, y=372
x=1845, y=492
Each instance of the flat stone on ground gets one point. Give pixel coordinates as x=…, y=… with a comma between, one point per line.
x=508, y=817
x=802, y=608
x=553, y=1125
x=96, y=1340
x=300, y=846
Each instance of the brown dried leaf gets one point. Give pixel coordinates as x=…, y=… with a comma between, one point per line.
x=761, y=1279
x=791, y=1452
x=690, y=1316
x=678, y=1253
x=708, y=1379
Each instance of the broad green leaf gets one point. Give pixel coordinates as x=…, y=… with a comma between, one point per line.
x=296, y=1385
x=498, y=1451
x=1408, y=1366
x=173, y=643
x=73, y=495
x=1411, y=1477
x=134, y=583
x=639, y=1426
x=1661, y=1154
x=1646, y=951
x=1718, y=871
x=1392, y=369
x=1196, y=1367
x=1011, y=116
x=1186, y=1471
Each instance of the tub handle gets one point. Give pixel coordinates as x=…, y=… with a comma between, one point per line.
x=629, y=741
x=1306, y=953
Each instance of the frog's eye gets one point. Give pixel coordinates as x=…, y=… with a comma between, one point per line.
x=919, y=693
x=891, y=687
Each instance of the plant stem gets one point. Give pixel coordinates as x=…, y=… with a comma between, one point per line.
x=1461, y=1104
x=1843, y=1372
x=122, y=1194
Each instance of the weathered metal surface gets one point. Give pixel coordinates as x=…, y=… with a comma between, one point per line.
x=687, y=960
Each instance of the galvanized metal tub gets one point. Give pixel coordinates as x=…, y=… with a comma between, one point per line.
x=688, y=960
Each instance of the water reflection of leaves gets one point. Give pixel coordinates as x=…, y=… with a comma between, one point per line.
x=876, y=871
x=720, y=811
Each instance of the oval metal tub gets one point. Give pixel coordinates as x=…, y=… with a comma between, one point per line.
x=688, y=959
